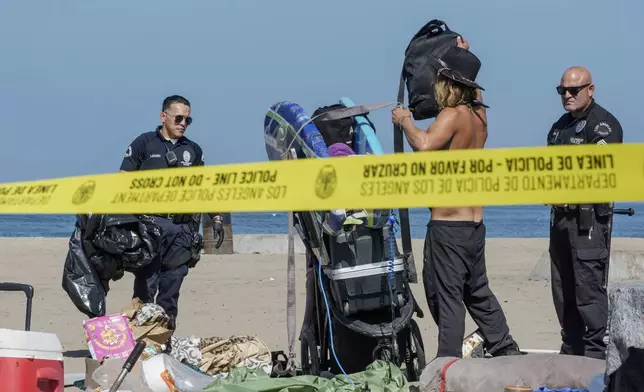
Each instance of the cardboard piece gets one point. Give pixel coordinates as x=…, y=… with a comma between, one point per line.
x=153, y=335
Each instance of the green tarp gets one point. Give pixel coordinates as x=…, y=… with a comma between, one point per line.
x=380, y=376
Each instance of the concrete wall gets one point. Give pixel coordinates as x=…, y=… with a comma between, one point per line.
x=625, y=265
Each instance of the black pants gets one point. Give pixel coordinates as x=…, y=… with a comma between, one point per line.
x=455, y=278
x=579, y=263
x=167, y=271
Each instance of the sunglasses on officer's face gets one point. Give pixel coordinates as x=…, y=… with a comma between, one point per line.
x=179, y=118
x=574, y=90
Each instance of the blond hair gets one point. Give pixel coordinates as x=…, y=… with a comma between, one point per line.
x=450, y=94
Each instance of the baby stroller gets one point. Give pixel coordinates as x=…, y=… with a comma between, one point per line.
x=358, y=281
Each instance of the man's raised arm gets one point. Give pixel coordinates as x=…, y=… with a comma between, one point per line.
x=437, y=136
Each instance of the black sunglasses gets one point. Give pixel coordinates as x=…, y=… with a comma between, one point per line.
x=561, y=90
x=178, y=119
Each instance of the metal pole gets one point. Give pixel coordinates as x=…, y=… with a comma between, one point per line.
x=290, y=296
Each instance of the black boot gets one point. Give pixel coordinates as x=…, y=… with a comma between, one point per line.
x=512, y=349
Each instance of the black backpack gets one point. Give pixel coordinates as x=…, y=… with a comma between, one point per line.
x=419, y=71
x=334, y=131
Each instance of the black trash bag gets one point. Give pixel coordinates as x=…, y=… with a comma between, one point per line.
x=102, y=248
x=133, y=240
x=108, y=267
x=81, y=282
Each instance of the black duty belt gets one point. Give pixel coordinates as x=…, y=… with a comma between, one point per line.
x=565, y=208
x=176, y=218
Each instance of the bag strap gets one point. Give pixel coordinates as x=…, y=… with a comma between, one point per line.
x=444, y=374
x=403, y=213
x=358, y=110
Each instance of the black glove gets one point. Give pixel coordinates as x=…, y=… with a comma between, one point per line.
x=218, y=231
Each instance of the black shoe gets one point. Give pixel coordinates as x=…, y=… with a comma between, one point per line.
x=510, y=350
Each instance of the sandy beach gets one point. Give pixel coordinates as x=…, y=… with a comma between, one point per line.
x=246, y=294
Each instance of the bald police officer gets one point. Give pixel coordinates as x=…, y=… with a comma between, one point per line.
x=181, y=241
x=579, y=238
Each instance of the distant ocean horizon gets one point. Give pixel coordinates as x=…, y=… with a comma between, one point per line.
x=529, y=221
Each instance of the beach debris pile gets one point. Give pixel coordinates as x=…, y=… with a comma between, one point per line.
x=168, y=363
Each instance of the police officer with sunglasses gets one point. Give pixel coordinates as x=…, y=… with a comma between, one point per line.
x=181, y=242
x=579, y=233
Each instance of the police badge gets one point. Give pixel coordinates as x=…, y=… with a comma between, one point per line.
x=580, y=126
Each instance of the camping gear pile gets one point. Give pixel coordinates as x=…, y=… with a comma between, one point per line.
x=166, y=361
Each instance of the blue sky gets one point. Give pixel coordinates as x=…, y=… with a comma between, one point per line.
x=80, y=79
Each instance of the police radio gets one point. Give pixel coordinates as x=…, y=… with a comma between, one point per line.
x=171, y=158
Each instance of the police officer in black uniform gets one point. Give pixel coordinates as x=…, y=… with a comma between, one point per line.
x=579, y=237
x=181, y=241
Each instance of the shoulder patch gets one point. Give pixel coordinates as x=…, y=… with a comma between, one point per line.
x=603, y=129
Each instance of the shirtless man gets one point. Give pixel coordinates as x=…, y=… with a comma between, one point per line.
x=454, y=273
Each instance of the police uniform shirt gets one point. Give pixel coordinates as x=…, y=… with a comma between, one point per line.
x=148, y=151
x=595, y=126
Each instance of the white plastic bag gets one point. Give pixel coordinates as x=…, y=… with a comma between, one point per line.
x=106, y=374
x=161, y=369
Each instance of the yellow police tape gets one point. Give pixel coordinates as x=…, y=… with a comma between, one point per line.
x=548, y=175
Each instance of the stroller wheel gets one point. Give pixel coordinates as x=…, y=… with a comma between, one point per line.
x=401, y=300
x=414, y=352
x=310, y=356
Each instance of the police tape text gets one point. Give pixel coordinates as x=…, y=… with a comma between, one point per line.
x=442, y=167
